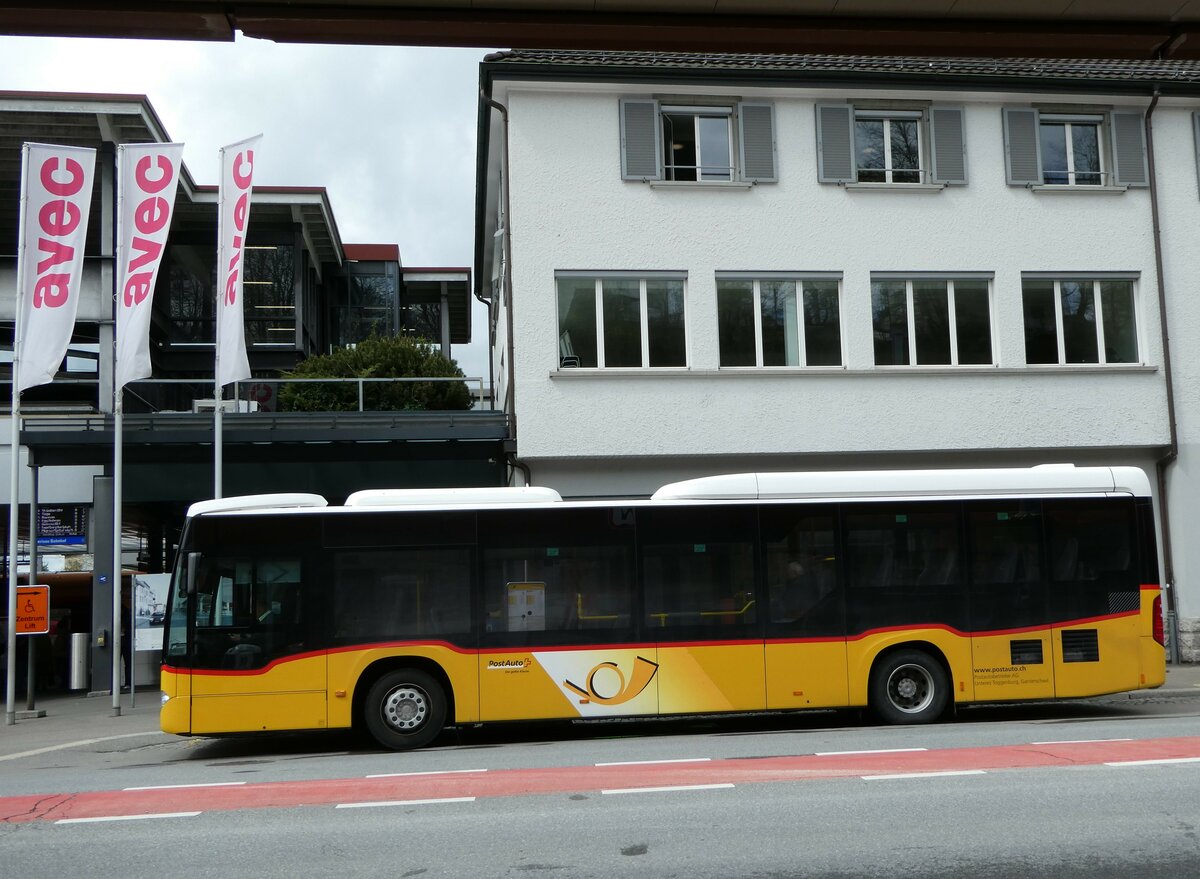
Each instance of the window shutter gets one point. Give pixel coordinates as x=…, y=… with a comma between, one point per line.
x=948, y=147
x=1022, y=147
x=757, y=137
x=835, y=143
x=641, y=140
x=1129, y=149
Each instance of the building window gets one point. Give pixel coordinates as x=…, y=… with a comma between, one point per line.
x=697, y=143
x=1088, y=149
x=887, y=147
x=932, y=321
x=1071, y=152
x=891, y=146
x=1080, y=321
x=269, y=276
x=717, y=142
x=617, y=321
x=779, y=322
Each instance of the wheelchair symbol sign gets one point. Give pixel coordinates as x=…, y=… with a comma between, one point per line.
x=33, y=610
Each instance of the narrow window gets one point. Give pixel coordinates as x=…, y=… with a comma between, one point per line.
x=697, y=143
x=888, y=147
x=1071, y=154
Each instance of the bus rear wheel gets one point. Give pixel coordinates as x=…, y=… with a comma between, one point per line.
x=908, y=686
x=405, y=709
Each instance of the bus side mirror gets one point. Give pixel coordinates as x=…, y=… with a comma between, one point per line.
x=193, y=565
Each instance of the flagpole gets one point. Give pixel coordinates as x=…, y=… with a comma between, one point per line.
x=10, y=707
x=118, y=439
x=218, y=438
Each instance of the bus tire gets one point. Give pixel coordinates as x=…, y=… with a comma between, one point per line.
x=405, y=709
x=908, y=686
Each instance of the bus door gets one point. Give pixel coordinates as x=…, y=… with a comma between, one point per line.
x=702, y=607
x=806, y=643
x=253, y=662
x=559, y=637
x=1095, y=595
x=1011, y=648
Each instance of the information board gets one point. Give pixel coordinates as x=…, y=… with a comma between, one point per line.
x=62, y=527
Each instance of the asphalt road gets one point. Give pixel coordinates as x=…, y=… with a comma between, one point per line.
x=1064, y=790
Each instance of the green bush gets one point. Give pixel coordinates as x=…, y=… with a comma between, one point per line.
x=377, y=357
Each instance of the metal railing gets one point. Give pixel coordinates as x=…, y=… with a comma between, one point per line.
x=172, y=395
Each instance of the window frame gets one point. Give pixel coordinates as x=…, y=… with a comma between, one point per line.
x=887, y=117
x=643, y=278
x=698, y=112
x=800, y=326
x=1098, y=306
x=1067, y=120
x=1121, y=143
x=941, y=131
x=753, y=153
x=951, y=318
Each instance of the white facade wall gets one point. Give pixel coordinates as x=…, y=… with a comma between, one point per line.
x=621, y=432
x=1175, y=152
x=572, y=211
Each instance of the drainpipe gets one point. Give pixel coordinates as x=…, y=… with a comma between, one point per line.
x=1172, y=452
x=505, y=184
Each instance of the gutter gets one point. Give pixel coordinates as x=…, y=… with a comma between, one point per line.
x=1172, y=452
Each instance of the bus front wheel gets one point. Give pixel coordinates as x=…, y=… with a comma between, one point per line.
x=908, y=686
x=405, y=709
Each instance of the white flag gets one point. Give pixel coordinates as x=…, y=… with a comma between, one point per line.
x=148, y=174
x=56, y=196
x=237, y=174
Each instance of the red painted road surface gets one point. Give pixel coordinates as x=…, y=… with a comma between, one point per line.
x=583, y=779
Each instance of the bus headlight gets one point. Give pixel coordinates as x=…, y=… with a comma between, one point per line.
x=164, y=696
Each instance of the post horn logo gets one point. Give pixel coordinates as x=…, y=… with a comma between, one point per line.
x=643, y=673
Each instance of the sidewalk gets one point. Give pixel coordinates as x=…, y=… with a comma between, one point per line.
x=72, y=718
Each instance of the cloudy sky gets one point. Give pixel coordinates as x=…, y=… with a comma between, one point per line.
x=388, y=131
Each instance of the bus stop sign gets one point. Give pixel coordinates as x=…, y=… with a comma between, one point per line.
x=33, y=610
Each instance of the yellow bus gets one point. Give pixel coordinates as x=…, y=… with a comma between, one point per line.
x=908, y=592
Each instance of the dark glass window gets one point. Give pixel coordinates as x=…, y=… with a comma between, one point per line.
x=269, y=286
x=903, y=566
x=1007, y=587
x=801, y=564
x=557, y=576
x=1091, y=558
x=698, y=572
x=384, y=594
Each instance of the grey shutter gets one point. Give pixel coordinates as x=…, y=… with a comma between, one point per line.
x=1129, y=148
x=948, y=145
x=1022, y=147
x=835, y=143
x=641, y=140
x=757, y=138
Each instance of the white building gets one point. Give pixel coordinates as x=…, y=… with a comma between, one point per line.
x=706, y=264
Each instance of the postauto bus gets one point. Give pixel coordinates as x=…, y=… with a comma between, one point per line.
x=904, y=591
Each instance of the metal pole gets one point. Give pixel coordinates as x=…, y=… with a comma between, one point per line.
x=14, y=448
x=31, y=678
x=118, y=439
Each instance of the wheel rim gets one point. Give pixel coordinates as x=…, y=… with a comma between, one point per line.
x=405, y=708
x=910, y=689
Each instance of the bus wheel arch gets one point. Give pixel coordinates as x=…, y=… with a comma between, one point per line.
x=910, y=683
x=404, y=702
